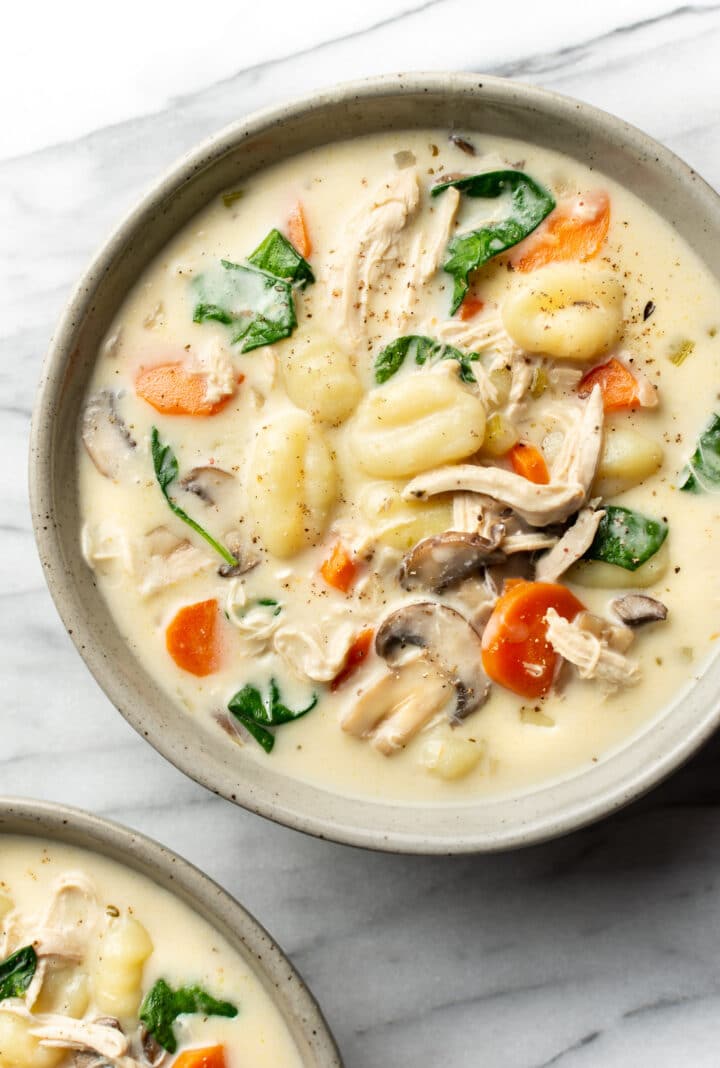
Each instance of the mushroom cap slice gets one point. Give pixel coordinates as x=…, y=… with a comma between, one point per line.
x=106, y=437
x=448, y=559
x=634, y=609
x=447, y=639
x=207, y=483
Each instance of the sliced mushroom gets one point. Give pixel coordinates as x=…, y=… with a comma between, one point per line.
x=106, y=437
x=447, y=639
x=247, y=558
x=398, y=705
x=462, y=143
x=447, y=559
x=153, y=1052
x=634, y=609
x=207, y=483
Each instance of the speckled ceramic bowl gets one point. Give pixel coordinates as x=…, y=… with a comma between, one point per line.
x=72, y=826
x=485, y=105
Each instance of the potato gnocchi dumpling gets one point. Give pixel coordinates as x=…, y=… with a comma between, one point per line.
x=567, y=311
x=419, y=463
x=291, y=483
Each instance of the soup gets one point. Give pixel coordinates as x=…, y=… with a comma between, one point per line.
x=398, y=466
x=92, y=972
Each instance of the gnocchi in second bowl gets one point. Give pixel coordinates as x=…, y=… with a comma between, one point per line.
x=398, y=466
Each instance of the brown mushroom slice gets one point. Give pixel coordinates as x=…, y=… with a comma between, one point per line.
x=107, y=439
x=407, y=698
x=635, y=609
x=247, y=558
x=447, y=559
x=447, y=639
x=207, y=483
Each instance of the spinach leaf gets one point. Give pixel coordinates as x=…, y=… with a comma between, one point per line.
x=277, y=256
x=626, y=538
x=702, y=474
x=16, y=973
x=258, y=305
x=392, y=357
x=162, y=1005
x=256, y=714
x=166, y=471
x=531, y=203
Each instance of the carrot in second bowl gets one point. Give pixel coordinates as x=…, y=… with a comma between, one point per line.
x=297, y=231
x=209, y=1057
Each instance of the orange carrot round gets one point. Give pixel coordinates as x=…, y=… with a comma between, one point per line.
x=529, y=462
x=515, y=650
x=297, y=231
x=173, y=390
x=357, y=653
x=470, y=307
x=339, y=570
x=575, y=230
x=193, y=638
x=208, y=1057
x=618, y=386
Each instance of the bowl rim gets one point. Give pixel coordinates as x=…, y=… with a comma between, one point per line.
x=505, y=835
x=282, y=982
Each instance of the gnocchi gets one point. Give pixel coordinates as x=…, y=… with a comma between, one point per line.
x=399, y=523
x=119, y=969
x=291, y=483
x=568, y=311
x=20, y=1049
x=412, y=425
x=319, y=377
x=627, y=459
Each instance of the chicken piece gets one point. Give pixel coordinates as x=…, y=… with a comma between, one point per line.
x=571, y=546
x=579, y=454
x=590, y=654
x=527, y=541
x=427, y=252
x=64, y=1032
x=314, y=651
x=481, y=333
x=167, y=561
x=372, y=246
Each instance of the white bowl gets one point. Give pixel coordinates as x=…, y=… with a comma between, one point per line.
x=474, y=102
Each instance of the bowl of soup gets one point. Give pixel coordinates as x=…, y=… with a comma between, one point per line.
x=92, y=970
x=375, y=464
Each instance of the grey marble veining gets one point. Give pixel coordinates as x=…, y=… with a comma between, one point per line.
x=600, y=949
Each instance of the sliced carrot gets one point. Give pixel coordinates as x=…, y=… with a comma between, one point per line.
x=173, y=390
x=209, y=1057
x=575, y=230
x=470, y=307
x=298, y=231
x=618, y=386
x=529, y=462
x=515, y=650
x=357, y=652
x=193, y=639
x=339, y=570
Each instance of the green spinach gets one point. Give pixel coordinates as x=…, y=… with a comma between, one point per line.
x=702, y=474
x=166, y=471
x=256, y=298
x=16, y=973
x=626, y=538
x=277, y=256
x=256, y=714
x=162, y=1005
x=531, y=203
x=392, y=357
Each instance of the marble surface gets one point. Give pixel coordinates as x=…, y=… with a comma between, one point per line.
x=600, y=949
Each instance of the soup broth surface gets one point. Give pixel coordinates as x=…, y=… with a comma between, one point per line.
x=315, y=457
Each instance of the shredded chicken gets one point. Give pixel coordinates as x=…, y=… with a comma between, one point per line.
x=479, y=334
x=427, y=251
x=373, y=245
x=215, y=363
x=591, y=655
x=100, y=1044
x=256, y=624
x=527, y=541
x=313, y=651
x=571, y=546
x=164, y=560
x=579, y=454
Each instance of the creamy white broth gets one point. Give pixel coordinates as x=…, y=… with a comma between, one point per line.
x=578, y=722
x=30, y=870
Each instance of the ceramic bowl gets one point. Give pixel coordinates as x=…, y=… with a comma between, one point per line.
x=477, y=103
x=72, y=826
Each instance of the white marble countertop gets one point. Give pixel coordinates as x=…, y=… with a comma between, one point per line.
x=601, y=949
